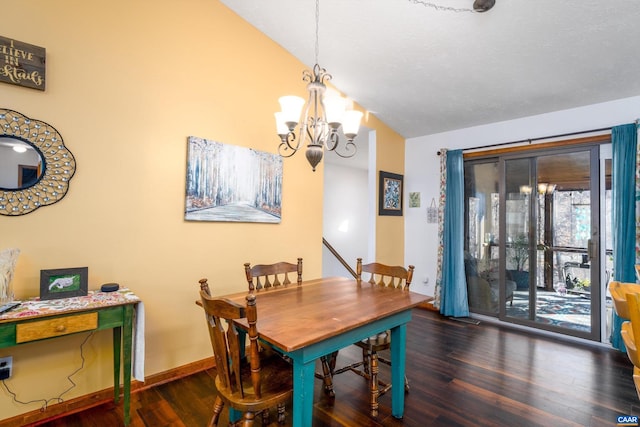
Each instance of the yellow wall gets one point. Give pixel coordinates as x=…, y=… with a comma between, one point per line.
x=127, y=83
x=389, y=158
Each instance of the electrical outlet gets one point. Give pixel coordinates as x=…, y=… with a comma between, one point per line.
x=6, y=364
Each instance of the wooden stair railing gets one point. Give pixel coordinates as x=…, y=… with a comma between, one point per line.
x=335, y=253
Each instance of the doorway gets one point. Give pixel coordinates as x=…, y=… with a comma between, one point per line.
x=27, y=175
x=349, y=206
x=532, y=224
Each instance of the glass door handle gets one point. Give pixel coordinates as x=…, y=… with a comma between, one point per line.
x=591, y=249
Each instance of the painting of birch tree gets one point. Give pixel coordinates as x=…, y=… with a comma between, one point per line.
x=230, y=183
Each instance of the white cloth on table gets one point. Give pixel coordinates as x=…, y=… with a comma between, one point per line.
x=138, y=342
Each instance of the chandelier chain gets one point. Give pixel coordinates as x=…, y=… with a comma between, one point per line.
x=323, y=121
x=441, y=8
x=317, y=30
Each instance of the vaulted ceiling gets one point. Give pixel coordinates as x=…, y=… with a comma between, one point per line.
x=426, y=67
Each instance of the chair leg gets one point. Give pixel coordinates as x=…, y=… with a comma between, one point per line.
x=333, y=358
x=373, y=383
x=388, y=386
x=217, y=408
x=248, y=419
x=281, y=413
x=366, y=358
x=327, y=376
x=265, y=417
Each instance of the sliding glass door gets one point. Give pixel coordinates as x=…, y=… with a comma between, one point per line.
x=532, y=222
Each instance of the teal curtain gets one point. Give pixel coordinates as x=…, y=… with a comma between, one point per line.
x=624, y=145
x=453, y=294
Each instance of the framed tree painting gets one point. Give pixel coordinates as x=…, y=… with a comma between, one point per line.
x=390, y=194
x=230, y=183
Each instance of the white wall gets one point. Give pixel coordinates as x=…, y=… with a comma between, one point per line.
x=422, y=167
x=344, y=217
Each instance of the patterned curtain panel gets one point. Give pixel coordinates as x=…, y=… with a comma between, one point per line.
x=453, y=294
x=443, y=200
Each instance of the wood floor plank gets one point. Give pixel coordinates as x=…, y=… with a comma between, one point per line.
x=460, y=375
x=161, y=415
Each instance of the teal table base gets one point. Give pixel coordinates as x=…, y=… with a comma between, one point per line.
x=304, y=362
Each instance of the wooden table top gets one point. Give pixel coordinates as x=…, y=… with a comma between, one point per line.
x=295, y=316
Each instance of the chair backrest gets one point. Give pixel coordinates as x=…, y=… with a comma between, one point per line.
x=385, y=275
x=619, y=299
x=273, y=275
x=619, y=291
x=631, y=330
x=227, y=342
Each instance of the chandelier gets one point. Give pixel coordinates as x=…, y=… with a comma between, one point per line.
x=325, y=114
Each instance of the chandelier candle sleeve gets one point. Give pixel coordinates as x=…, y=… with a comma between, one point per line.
x=351, y=123
x=335, y=107
x=291, y=107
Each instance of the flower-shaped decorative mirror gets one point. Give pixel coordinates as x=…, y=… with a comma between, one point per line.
x=35, y=166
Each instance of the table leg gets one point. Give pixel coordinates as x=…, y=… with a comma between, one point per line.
x=303, y=377
x=398, y=354
x=235, y=415
x=117, y=345
x=127, y=342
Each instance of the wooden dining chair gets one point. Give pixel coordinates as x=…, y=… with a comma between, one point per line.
x=618, y=291
x=630, y=333
x=249, y=383
x=272, y=276
x=265, y=276
x=396, y=277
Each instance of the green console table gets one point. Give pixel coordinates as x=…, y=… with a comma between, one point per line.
x=36, y=320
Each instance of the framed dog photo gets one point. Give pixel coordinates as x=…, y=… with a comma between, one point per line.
x=63, y=283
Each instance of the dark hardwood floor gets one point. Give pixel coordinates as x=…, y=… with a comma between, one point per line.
x=460, y=375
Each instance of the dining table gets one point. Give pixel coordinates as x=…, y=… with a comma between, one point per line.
x=322, y=316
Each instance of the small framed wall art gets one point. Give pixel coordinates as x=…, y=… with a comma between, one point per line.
x=63, y=283
x=390, y=194
x=414, y=200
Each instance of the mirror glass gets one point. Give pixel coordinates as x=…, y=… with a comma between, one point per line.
x=20, y=164
x=35, y=166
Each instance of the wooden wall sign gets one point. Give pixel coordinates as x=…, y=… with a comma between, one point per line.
x=22, y=64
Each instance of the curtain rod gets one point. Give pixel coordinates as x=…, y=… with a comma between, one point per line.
x=530, y=140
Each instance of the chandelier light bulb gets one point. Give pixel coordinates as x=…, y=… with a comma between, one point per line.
x=525, y=189
x=542, y=187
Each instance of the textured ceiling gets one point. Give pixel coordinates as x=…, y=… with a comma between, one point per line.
x=424, y=70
